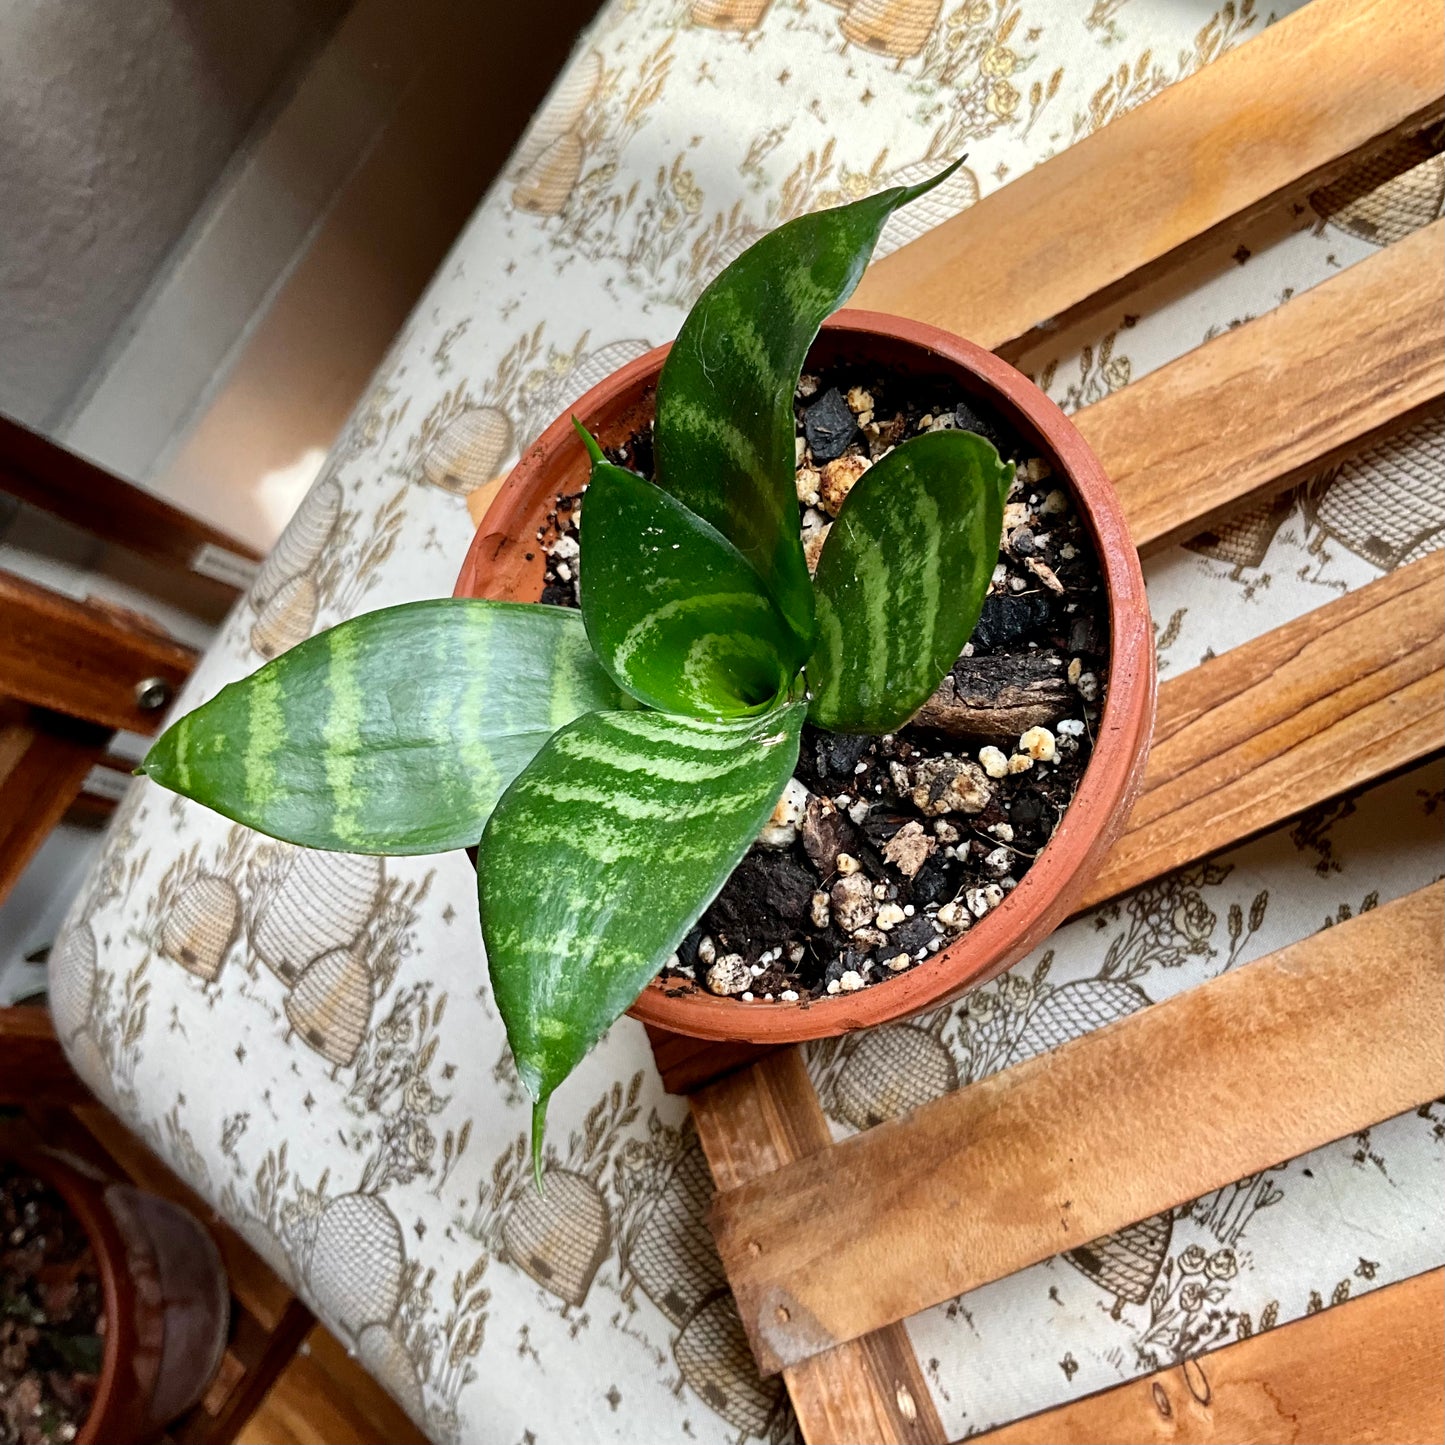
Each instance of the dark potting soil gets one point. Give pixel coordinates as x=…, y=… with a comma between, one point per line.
x=886, y=849
x=52, y=1322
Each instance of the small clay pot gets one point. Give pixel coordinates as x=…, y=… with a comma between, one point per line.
x=497, y=566
x=164, y=1290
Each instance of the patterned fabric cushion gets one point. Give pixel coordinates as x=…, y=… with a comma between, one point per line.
x=309, y=1039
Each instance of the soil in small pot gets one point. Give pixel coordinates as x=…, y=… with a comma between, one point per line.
x=885, y=849
x=52, y=1321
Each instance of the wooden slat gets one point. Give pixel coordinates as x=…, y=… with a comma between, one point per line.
x=687, y=1064
x=82, y=659
x=1363, y=1372
x=44, y=759
x=750, y=1125
x=1256, y=409
x=1314, y=1042
x=1303, y=102
x=255, y=1356
x=1329, y=702
x=1244, y=416
x=45, y=475
x=32, y=1064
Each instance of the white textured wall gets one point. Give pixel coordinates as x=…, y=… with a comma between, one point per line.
x=115, y=121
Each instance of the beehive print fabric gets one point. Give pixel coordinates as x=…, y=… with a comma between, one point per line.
x=309, y=1039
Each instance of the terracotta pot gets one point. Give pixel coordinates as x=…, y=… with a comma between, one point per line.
x=166, y=1297
x=497, y=566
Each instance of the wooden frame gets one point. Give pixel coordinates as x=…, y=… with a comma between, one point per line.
x=71, y=674
x=37, y=471
x=1349, y=693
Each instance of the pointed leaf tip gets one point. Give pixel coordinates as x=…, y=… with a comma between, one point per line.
x=724, y=438
x=922, y=188
x=539, y=1132
x=589, y=441
x=393, y=733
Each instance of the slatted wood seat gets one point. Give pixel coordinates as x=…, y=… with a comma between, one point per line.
x=1324, y=1037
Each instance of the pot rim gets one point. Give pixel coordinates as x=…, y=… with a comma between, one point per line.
x=1106, y=791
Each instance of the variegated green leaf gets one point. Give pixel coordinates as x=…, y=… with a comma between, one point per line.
x=674, y=612
x=902, y=578
x=601, y=856
x=395, y=732
x=725, y=398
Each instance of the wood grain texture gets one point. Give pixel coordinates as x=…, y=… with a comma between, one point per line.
x=1362, y=1373
x=751, y=1124
x=32, y=1064
x=80, y=658
x=688, y=1064
x=44, y=759
x=1316, y=1041
x=1331, y=701
x=37, y=471
x=325, y=1397
x=1256, y=409
x=1301, y=103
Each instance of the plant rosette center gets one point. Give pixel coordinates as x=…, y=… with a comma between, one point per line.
x=885, y=848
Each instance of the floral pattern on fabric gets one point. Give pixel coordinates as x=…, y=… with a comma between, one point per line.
x=309, y=1039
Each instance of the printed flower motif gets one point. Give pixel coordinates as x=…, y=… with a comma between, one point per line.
x=421, y=1142
x=1193, y=1260
x=419, y=1097
x=999, y=62
x=1017, y=992
x=1002, y=100
x=1191, y=1296
x=1195, y=920
x=687, y=189
x=1222, y=1264
x=978, y=12
x=981, y=1005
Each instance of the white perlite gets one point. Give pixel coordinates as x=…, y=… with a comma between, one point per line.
x=781, y=829
x=994, y=760
x=730, y=975
x=889, y=916
x=1038, y=743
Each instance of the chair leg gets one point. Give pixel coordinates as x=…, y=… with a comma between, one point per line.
x=44, y=759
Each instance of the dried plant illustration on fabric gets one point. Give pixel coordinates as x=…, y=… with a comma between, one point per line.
x=560, y=1237
x=319, y=571
x=1101, y=372
x=1132, y=83
x=469, y=435
x=345, y=1023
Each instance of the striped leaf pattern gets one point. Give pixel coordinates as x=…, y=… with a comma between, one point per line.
x=724, y=437
x=395, y=732
x=602, y=855
x=902, y=578
x=674, y=612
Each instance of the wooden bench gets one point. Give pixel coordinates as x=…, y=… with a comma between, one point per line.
x=1323, y=1038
